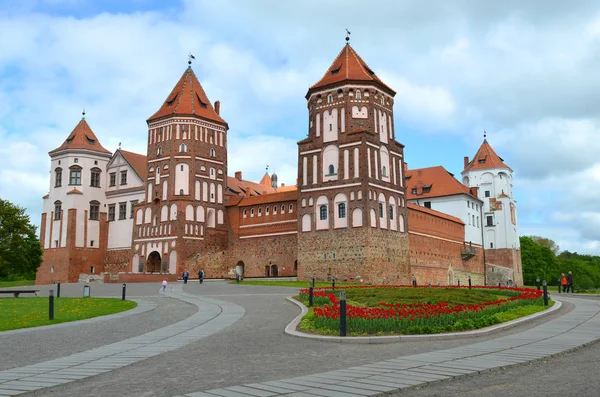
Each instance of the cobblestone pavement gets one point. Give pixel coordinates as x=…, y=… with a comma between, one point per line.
x=252, y=350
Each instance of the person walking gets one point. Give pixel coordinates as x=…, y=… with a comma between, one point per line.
x=201, y=276
x=164, y=285
x=185, y=277
x=564, y=282
x=570, y=282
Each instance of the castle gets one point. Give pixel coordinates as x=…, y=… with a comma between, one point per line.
x=356, y=213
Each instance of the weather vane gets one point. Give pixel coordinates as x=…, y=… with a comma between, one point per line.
x=484, y=134
x=267, y=168
x=190, y=57
x=83, y=114
x=347, y=35
x=119, y=145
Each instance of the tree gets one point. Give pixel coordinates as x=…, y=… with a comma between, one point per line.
x=538, y=261
x=20, y=249
x=548, y=243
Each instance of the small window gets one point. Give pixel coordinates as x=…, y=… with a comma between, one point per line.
x=491, y=245
x=182, y=148
x=357, y=94
x=91, y=245
x=473, y=219
x=245, y=212
x=341, y=210
x=260, y=212
x=291, y=208
x=384, y=171
x=331, y=169
x=212, y=152
x=391, y=210
x=381, y=210
x=274, y=210
x=323, y=212
x=95, y=162
x=76, y=160
x=468, y=204
x=95, y=177
x=283, y=208
x=58, y=177
x=94, y=210
x=57, y=210
x=267, y=210
x=111, y=212
x=252, y=212
x=414, y=190
x=113, y=179
x=212, y=133
x=489, y=220
x=487, y=193
x=124, y=177
x=181, y=167
x=329, y=98
x=181, y=192
x=427, y=204
x=159, y=151
x=122, y=210
x=75, y=177
x=131, y=206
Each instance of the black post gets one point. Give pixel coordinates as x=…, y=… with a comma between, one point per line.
x=123, y=292
x=342, y=313
x=537, y=283
x=458, y=283
x=499, y=284
x=51, y=305
x=469, y=282
x=545, y=293
x=313, y=282
x=310, y=297
x=333, y=283
x=58, y=289
x=559, y=285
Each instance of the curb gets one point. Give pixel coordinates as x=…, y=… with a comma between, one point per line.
x=291, y=329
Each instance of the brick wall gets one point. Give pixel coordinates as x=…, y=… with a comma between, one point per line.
x=504, y=265
x=257, y=253
x=140, y=278
x=116, y=261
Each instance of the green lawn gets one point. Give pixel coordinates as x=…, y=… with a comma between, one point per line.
x=18, y=313
x=288, y=283
x=6, y=284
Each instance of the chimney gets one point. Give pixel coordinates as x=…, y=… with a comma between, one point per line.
x=466, y=161
x=238, y=175
x=283, y=184
x=405, y=168
x=217, y=106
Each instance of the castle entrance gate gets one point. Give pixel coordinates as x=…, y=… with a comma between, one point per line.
x=153, y=262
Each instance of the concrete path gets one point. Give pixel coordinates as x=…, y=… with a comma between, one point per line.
x=579, y=327
x=212, y=316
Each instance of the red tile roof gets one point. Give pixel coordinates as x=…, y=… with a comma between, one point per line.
x=348, y=66
x=269, y=198
x=485, y=158
x=188, y=98
x=74, y=191
x=432, y=182
x=82, y=137
x=248, y=188
x=439, y=214
x=138, y=162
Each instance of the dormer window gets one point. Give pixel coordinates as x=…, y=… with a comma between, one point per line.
x=91, y=141
x=336, y=70
x=202, y=104
x=414, y=190
x=357, y=94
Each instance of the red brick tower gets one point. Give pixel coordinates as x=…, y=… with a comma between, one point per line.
x=352, y=219
x=184, y=214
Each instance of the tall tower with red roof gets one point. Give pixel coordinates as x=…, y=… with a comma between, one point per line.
x=352, y=219
x=494, y=182
x=73, y=231
x=183, y=214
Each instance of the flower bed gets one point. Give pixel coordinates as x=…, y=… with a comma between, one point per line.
x=423, y=316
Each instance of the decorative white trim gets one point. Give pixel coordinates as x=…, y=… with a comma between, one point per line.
x=154, y=239
x=330, y=187
x=386, y=188
x=395, y=153
x=310, y=151
x=193, y=238
x=183, y=157
x=350, y=144
x=209, y=160
x=268, y=223
x=361, y=86
x=116, y=249
x=158, y=159
x=373, y=145
x=269, y=234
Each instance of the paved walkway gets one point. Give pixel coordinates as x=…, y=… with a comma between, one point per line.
x=579, y=327
x=212, y=316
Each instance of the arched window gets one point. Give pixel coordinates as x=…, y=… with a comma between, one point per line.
x=391, y=211
x=57, y=210
x=341, y=210
x=181, y=192
x=245, y=212
x=329, y=98
x=75, y=175
x=323, y=212
x=159, y=151
x=357, y=94
x=331, y=169
x=182, y=148
x=94, y=210
x=381, y=210
x=58, y=177
x=213, y=153
x=384, y=171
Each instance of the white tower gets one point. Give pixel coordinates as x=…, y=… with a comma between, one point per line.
x=493, y=180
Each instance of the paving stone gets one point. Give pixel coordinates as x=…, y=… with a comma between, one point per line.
x=331, y=393
x=287, y=385
x=251, y=391
x=274, y=389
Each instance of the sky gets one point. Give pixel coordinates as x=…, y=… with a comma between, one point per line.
x=525, y=72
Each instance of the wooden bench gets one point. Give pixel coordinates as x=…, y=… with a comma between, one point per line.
x=16, y=292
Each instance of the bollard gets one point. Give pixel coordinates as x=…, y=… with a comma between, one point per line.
x=559, y=285
x=123, y=291
x=342, y=313
x=333, y=283
x=469, y=282
x=58, y=289
x=545, y=293
x=310, y=296
x=500, y=285
x=537, y=283
x=458, y=283
x=51, y=305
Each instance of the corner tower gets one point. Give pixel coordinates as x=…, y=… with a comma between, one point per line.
x=352, y=217
x=74, y=231
x=183, y=214
x=494, y=182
